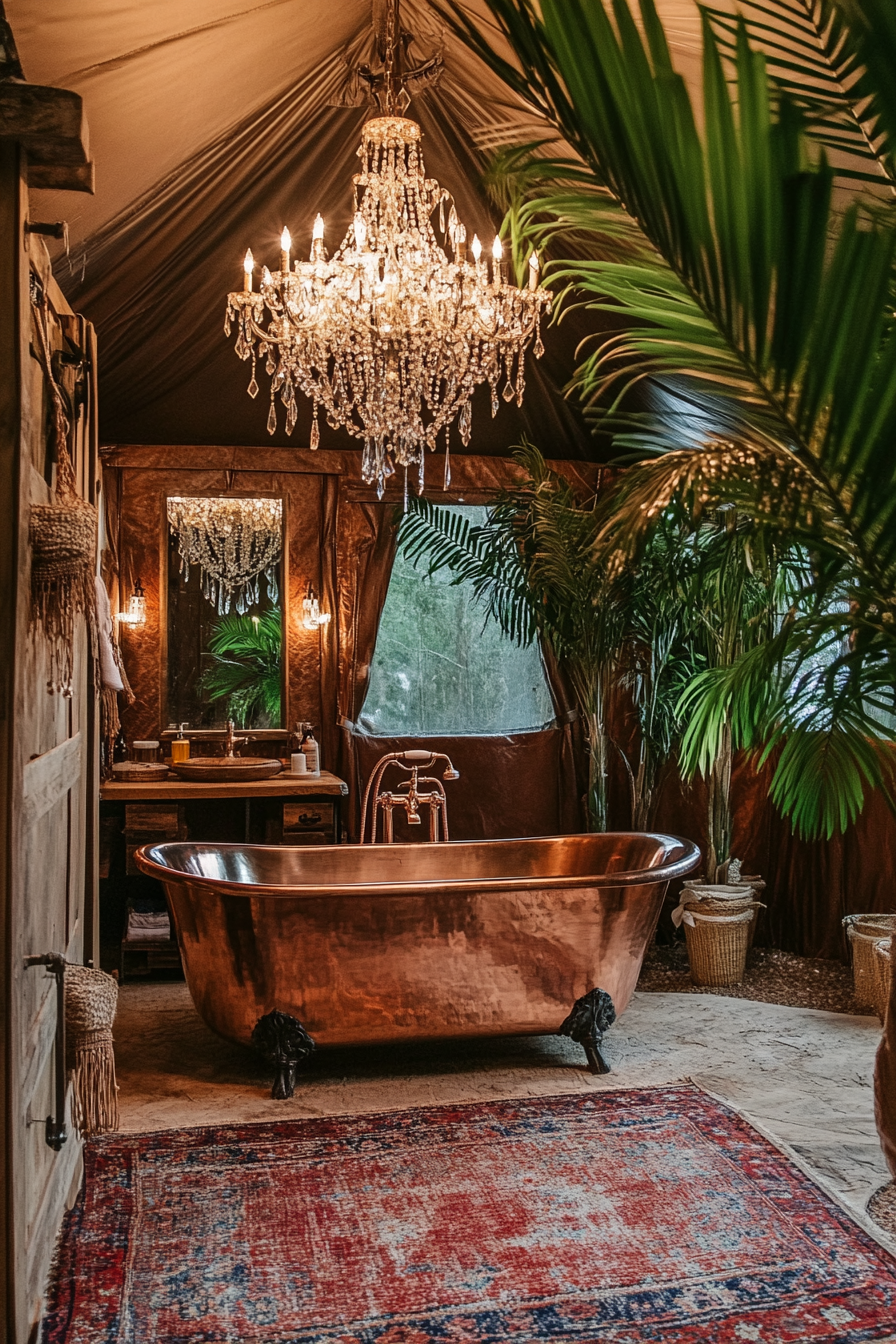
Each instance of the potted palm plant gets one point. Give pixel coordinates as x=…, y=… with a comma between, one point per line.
x=533, y=568
x=760, y=310
x=759, y=303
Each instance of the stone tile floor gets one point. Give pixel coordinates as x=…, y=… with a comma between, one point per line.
x=801, y=1076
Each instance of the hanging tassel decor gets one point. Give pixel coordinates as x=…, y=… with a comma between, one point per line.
x=91, y=998
x=63, y=546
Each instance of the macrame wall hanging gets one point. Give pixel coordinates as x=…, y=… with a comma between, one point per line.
x=63, y=542
x=234, y=542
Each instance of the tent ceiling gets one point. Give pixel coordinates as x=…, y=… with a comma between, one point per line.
x=211, y=125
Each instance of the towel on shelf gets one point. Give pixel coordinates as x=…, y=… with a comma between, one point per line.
x=145, y=925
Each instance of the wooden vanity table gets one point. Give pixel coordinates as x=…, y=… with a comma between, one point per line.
x=299, y=810
x=311, y=803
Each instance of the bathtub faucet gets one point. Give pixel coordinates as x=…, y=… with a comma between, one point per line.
x=408, y=795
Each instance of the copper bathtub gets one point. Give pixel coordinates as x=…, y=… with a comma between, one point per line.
x=393, y=942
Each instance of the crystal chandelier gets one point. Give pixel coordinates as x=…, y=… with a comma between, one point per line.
x=234, y=542
x=390, y=336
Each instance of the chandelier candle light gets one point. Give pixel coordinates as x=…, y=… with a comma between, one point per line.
x=389, y=336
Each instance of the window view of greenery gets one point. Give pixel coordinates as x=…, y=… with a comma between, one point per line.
x=439, y=670
x=221, y=667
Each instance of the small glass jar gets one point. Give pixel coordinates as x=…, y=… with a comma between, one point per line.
x=145, y=752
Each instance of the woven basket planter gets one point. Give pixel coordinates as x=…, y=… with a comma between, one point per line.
x=863, y=931
x=744, y=892
x=717, y=932
x=883, y=973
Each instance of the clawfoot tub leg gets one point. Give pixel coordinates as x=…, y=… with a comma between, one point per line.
x=591, y=1016
x=283, y=1042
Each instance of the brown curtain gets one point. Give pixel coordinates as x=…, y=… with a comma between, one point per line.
x=330, y=735
x=366, y=544
x=110, y=559
x=508, y=785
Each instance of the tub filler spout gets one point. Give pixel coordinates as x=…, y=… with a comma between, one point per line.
x=409, y=796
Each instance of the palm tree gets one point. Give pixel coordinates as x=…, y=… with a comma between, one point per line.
x=743, y=578
x=756, y=302
x=246, y=671
x=532, y=569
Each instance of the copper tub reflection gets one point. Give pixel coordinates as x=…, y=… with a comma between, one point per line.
x=393, y=942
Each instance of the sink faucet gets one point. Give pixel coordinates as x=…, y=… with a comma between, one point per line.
x=230, y=741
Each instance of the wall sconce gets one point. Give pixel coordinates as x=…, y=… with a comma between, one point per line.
x=135, y=615
x=312, y=616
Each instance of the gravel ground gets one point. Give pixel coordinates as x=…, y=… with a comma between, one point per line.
x=772, y=976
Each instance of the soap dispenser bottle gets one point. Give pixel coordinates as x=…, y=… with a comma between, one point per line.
x=310, y=750
x=180, y=746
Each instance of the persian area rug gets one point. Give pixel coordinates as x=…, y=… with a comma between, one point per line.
x=618, y=1216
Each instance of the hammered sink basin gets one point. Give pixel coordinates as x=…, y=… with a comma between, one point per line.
x=225, y=769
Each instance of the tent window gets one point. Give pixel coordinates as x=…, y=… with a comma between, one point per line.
x=440, y=669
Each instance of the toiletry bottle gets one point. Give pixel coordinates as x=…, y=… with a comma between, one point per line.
x=180, y=746
x=311, y=751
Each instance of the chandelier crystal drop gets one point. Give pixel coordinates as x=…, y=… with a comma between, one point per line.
x=234, y=542
x=389, y=337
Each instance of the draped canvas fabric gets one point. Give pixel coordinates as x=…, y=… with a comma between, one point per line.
x=153, y=272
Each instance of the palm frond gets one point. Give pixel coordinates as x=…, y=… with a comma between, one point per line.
x=483, y=556
x=873, y=27
x=814, y=57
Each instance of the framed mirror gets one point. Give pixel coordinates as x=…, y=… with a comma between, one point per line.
x=225, y=611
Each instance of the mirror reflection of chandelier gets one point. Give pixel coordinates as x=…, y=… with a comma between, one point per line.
x=389, y=336
x=234, y=542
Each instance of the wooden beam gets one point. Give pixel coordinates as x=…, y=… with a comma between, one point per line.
x=51, y=126
x=214, y=457
x=62, y=177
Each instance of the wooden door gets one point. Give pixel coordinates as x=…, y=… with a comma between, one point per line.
x=48, y=744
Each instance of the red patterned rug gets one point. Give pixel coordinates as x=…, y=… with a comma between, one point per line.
x=629, y=1217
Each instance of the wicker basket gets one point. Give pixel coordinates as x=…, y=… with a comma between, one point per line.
x=883, y=970
x=863, y=931
x=718, y=940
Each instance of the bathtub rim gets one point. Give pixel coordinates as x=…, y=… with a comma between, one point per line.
x=664, y=872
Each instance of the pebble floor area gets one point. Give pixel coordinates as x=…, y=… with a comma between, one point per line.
x=771, y=976
x=801, y=1075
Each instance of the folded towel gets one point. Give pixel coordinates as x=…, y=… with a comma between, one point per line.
x=145, y=925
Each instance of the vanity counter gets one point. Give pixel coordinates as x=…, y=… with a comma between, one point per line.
x=284, y=785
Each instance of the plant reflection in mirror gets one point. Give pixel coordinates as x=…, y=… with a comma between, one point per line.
x=245, y=668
